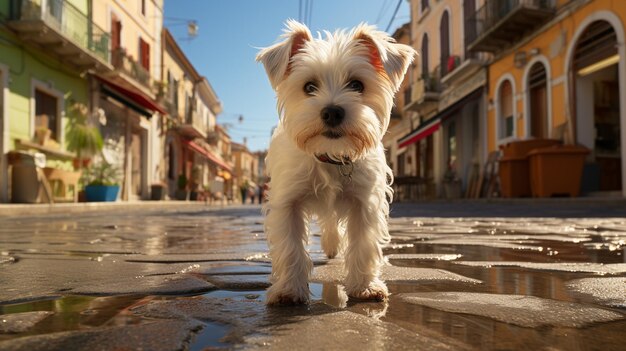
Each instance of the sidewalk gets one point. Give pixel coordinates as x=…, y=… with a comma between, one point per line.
x=580, y=207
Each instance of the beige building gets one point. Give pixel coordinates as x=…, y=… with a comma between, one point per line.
x=192, y=107
x=246, y=168
x=126, y=96
x=403, y=161
x=447, y=101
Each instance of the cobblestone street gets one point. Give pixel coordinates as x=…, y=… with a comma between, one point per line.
x=522, y=275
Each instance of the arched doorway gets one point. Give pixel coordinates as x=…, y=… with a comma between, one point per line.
x=597, y=104
x=537, y=85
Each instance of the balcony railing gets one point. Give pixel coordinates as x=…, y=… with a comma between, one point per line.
x=424, y=92
x=46, y=22
x=499, y=23
x=127, y=64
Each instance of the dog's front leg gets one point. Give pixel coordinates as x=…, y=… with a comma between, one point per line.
x=287, y=235
x=367, y=229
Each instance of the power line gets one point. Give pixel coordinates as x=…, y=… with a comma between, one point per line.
x=300, y=11
x=394, y=15
x=382, y=11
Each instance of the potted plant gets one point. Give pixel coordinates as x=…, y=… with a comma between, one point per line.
x=181, y=192
x=158, y=191
x=102, y=183
x=83, y=138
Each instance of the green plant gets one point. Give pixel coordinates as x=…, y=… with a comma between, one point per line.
x=82, y=137
x=103, y=173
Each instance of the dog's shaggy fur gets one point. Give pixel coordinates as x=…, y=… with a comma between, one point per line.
x=326, y=158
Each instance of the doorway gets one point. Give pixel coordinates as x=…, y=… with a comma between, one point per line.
x=138, y=157
x=598, y=126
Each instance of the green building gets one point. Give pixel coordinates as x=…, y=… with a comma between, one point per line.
x=47, y=49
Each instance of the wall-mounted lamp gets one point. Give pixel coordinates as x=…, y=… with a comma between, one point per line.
x=611, y=60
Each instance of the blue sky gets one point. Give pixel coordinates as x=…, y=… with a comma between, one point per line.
x=230, y=31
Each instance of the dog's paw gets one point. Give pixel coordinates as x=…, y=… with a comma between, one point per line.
x=285, y=297
x=376, y=291
x=331, y=253
x=287, y=300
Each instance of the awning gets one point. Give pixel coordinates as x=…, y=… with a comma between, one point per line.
x=422, y=131
x=207, y=154
x=431, y=125
x=131, y=97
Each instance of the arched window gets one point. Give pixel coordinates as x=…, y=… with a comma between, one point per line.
x=444, y=37
x=505, y=110
x=425, y=63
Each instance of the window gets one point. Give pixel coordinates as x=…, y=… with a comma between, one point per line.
x=469, y=9
x=505, y=109
x=175, y=94
x=116, y=33
x=425, y=56
x=444, y=36
x=143, y=7
x=144, y=54
x=424, y=5
x=47, y=114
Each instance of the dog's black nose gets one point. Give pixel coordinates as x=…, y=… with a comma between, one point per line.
x=333, y=115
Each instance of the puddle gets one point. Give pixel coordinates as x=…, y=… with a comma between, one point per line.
x=76, y=313
x=209, y=337
x=237, y=295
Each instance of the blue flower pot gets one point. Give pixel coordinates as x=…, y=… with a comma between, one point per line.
x=100, y=193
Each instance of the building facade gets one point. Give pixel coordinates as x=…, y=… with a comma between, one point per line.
x=246, y=170
x=42, y=76
x=126, y=95
x=156, y=113
x=560, y=76
x=192, y=107
x=447, y=98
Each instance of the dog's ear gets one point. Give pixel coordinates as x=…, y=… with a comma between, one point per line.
x=385, y=54
x=277, y=57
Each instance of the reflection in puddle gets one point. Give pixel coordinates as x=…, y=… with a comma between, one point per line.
x=76, y=313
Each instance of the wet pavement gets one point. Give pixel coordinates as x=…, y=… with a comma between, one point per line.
x=467, y=275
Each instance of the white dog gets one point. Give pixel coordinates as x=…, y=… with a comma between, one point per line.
x=326, y=156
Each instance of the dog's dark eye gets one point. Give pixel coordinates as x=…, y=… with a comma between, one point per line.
x=356, y=85
x=310, y=88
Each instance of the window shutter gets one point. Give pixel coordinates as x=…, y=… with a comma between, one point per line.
x=444, y=33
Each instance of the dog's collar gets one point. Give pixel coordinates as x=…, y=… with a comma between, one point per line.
x=345, y=165
x=326, y=159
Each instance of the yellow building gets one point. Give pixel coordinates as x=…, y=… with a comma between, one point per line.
x=558, y=71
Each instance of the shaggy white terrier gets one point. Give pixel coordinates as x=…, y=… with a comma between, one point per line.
x=326, y=157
